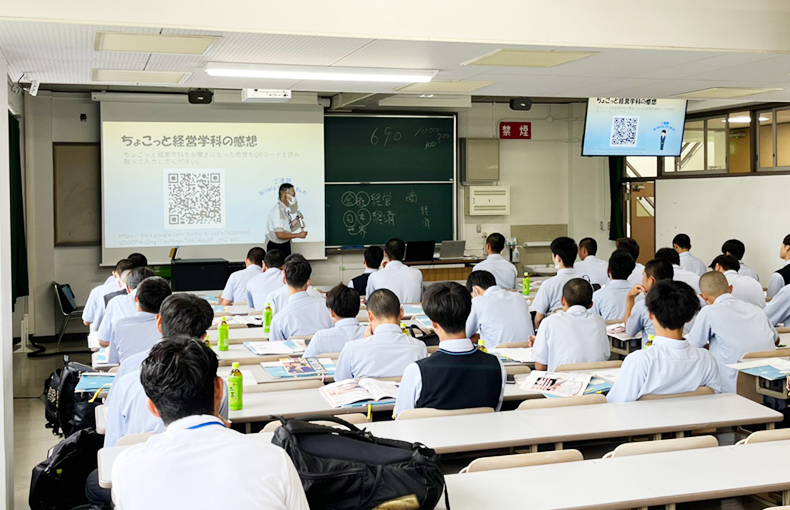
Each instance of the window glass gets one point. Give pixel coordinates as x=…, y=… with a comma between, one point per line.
x=740, y=142
x=783, y=138
x=765, y=138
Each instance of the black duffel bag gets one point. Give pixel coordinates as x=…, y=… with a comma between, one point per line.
x=349, y=469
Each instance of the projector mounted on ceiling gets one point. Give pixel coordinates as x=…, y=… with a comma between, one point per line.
x=265, y=95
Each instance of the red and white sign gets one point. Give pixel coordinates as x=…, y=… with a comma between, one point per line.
x=515, y=130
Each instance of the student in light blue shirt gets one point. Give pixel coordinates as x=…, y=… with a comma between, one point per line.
x=688, y=262
x=671, y=365
x=590, y=267
x=637, y=318
x=505, y=273
x=278, y=298
x=403, y=280
x=259, y=286
x=609, y=301
x=303, y=315
x=236, y=287
x=94, y=306
x=139, y=332
x=549, y=298
x=778, y=309
x=630, y=246
x=743, y=287
x=781, y=277
x=497, y=316
x=731, y=326
x=737, y=249
x=343, y=305
x=123, y=306
x=385, y=351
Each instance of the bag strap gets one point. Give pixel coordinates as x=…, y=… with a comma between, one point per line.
x=321, y=417
x=446, y=497
x=412, y=327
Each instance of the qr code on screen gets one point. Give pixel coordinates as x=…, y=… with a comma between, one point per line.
x=194, y=198
x=624, y=131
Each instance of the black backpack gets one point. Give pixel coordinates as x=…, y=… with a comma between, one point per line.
x=58, y=483
x=352, y=470
x=51, y=388
x=72, y=412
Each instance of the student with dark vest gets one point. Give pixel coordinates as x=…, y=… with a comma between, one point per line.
x=372, y=260
x=781, y=277
x=458, y=375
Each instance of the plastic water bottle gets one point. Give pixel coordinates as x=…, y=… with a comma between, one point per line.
x=403, y=328
x=224, y=333
x=481, y=345
x=267, y=318
x=649, y=341
x=235, y=388
x=525, y=284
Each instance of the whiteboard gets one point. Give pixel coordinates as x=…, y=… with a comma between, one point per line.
x=713, y=209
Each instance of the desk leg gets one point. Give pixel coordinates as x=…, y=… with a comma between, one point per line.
x=680, y=435
x=533, y=448
x=248, y=428
x=656, y=437
x=671, y=506
x=770, y=426
x=785, y=498
x=558, y=446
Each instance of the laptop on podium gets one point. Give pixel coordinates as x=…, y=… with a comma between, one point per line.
x=452, y=250
x=419, y=251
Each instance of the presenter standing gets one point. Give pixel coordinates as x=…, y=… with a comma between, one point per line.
x=285, y=221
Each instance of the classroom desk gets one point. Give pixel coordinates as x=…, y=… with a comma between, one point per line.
x=623, y=344
x=239, y=353
x=238, y=335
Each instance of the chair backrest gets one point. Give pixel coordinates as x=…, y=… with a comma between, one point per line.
x=764, y=436
x=586, y=367
x=777, y=353
x=522, y=460
x=65, y=297
x=131, y=439
x=284, y=386
x=610, y=322
x=429, y=412
x=511, y=345
x=702, y=390
x=113, y=370
x=665, y=445
x=354, y=418
x=543, y=403
x=517, y=369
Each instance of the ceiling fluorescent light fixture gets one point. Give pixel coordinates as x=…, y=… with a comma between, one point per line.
x=447, y=87
x=743, y=120
x=289, y=72
x=154, y=43
x=524, y=58
x=133, y=76
x=725, y=92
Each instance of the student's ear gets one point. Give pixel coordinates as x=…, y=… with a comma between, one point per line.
x=370, y=317
x=309, y=282
x=158, y=320
x=284, y=282
x=400, y=316
x=219, y=391
x=564, y=303
x=136, y=299
x=730, y=289
x=152, y=408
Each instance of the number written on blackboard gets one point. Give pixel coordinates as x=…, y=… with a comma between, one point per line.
x=387, y=133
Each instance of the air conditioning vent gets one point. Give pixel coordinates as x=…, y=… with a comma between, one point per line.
x=487, y=200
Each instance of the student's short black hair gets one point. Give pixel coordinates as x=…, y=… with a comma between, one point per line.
x=384, y=304
x=185, y=314
x=395, y=249
x=566, y=249
x=123, y=265
x=672, y=303
x=727, y=262
x=660, y=269
x=448, y=304
x=734, y=247
x=152, y=292
x=482, y=278
x=138, y=259
x=578, y=291
x=294, y=257
x=589, y=244
x=373, y=256
x=786, y=240
x=621, y=265
x=256, y=255
x=682, y=241
x=297, y=273
x=284, y=188
x=137, y=275
x=628, y=244
x=178, y=376
x=496, y=241
x=343, y=300
x=669, y=254
x=274, y=258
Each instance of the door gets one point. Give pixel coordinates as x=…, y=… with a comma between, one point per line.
x=642, y=217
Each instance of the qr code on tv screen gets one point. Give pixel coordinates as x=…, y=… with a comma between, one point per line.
x=194, y=198
x=624, y=131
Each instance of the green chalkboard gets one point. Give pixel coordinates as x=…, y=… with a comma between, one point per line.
x=389, y=148
x=372, y=213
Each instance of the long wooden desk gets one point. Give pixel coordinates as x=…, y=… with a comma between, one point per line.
x=237, y=336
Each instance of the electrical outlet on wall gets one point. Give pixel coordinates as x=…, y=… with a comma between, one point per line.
x=479, y=228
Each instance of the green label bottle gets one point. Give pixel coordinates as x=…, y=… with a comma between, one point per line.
x=235, y=388
x=481, y=345
x=267, y=318
x=525, y=284
x=224, y=333
x=649, y=341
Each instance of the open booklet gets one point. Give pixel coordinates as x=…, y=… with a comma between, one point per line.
x=293, y=346
x=349, y=391
x=561, y=384
x=299, y=367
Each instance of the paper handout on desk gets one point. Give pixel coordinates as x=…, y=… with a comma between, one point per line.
x=411, y=310
x=560, y=384
x=348, y=392
x=772, y=369
x=292, y=346
x=423, y=321
x=93, y=341
x=520, y=354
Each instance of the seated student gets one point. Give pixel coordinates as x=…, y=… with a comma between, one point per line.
x=505, y=273
x=680, y=274
x=630, y=246
x=497, y=316
x=95, y=301
x=743, y=287
x=737, y=249
x=343, y=305
x=404, y=281
x=372, y=261
x=278, y=298
x=731, y=326
x=782, y=276
x=139, y=332
x=681, y=243
x=123, y=306
x=671, y=365
x=609, y=301
x=138, y=259
x=637, y=318
x=574, y=335
x=385, y=351
x=458, y=375
x=302, y=315
x=236, y=287
x=271, y=279
x=549, y=297
x=590, y=266
x=181, y=383
x=778, y=309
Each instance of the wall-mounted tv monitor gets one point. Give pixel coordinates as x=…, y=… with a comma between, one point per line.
x=617, y=126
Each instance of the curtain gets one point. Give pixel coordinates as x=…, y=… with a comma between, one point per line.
x=616, y=220
x=19, y=276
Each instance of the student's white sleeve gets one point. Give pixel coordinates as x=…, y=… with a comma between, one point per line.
x=775, y=284
x=89, y=312
x=343, y=369
x=778, y=309
x=294, y=494
x=472, y=323
x=250, y=302
x=276, y=331
x=540, y=349
x=113, y=356
x=596, y=298
x=699, y=335
x=541, y=303
x=313, y=350
x=630, y=381
x=370, y=287
x=712, y=377
x=409, y=389
x=105, y=329
x=350, y=284
x=116, y=423
x=634, y=325
x=228, y=292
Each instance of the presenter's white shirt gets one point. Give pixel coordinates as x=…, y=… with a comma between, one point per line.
x=636, y=275
x=279, y=220
x=505, y=273
x=335, y=338
x=278, y=298
x=748, y=271
x=594, y=269
x=236, y=288
x=501, y=317
x=260, y=285
x=198, y=463
x=573, y=336
x=609, y=301
x=746, y=288
x=133, y=334
x=549, y=296
x=733, y=328
x=118, y=308
x=386, y=353
x=404, y=281
x=302, y=316
x=668, y=366
x=691, y=263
